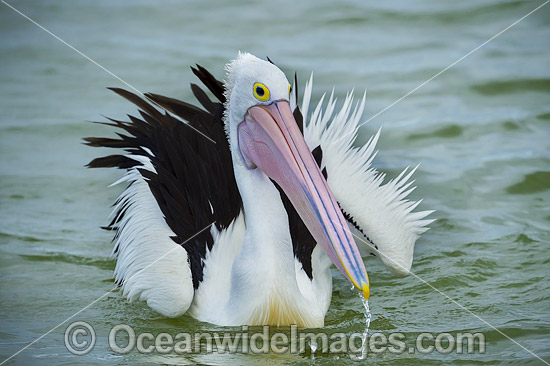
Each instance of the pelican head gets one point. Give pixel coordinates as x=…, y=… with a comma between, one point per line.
x=264, y=135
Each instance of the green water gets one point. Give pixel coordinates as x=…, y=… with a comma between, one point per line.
x=480, y=131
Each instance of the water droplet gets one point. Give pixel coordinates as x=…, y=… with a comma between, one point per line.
x=313, y=346
x=364, y=338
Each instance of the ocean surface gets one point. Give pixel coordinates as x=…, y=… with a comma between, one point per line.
x=480, y=130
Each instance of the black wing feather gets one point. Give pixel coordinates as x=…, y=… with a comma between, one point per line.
x=192, y=172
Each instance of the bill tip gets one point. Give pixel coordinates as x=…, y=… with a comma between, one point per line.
x=366, y=291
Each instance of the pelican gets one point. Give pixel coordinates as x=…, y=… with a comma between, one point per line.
x=235, y=211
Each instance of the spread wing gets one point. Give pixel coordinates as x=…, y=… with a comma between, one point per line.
x=180, y=181
x=380, y=213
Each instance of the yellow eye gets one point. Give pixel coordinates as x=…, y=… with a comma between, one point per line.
x=289, y=88
x=261, y=92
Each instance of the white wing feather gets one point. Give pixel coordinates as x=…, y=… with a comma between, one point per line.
x=150, y=265
x=389, y=226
